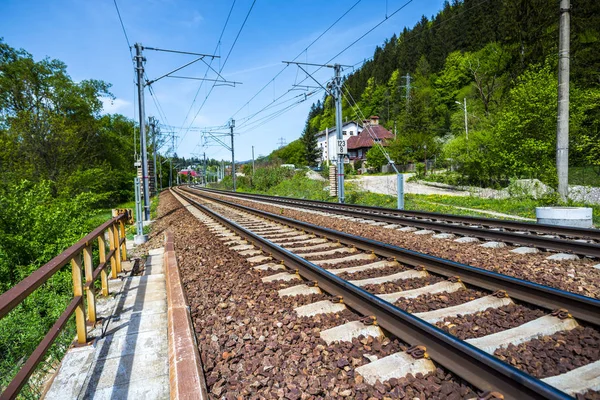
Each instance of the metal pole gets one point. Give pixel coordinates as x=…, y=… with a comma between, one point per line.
x=204, y=171
x=400, y=189
x=252, y=160
x=140, y=84
x=562, y=126
x=338, y=129
x=139, y=237
x=232, y=125
x=466, y=122
x=153, y=125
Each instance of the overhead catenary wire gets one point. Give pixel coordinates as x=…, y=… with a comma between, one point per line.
x=209, y=64
x=123, y=27
x=342, y=51
x=222, y=66
x=295, y=58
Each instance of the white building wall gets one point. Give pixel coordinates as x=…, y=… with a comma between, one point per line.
x=351, y=129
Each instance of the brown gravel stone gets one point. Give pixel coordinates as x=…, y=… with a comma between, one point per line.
x=430, y=302
x=574, y=276
x=589, y=395
x=403, y=284
x=256, y=347
x=372, y=273
x=489, y=321
x=555, y=354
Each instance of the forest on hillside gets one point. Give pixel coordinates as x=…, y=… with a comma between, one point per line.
x=501, y=58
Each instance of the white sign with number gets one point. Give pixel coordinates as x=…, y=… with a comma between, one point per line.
x=342, y=147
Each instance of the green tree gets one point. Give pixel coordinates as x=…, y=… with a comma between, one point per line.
x=376, y=158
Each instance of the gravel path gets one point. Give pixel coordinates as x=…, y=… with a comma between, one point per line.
x=387, y=184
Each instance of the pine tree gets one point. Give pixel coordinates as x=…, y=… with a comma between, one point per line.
x=309, y=137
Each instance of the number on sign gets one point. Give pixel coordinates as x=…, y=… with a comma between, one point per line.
x=342, y=147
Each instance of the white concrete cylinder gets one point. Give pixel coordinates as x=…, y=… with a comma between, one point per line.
x=580, y=217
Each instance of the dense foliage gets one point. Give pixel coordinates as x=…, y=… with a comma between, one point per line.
x=61, y=159
x=501, y=56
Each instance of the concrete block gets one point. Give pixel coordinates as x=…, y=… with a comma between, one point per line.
x=424, y=232
x=525, y=250
x=493, y=245
x=408, y=229
x=443, y=236
x=563, y=257
x=466, y=239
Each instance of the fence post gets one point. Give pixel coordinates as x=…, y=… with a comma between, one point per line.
x=111, y=244
x=78, y=291
x=124, y=245
x=102, y=254
x=89, y=272
x=117, y=246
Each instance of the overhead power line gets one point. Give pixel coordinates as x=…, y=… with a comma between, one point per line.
x=123, y=27
x=222, y=66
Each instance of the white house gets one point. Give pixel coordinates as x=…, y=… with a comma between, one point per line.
x=326, y=139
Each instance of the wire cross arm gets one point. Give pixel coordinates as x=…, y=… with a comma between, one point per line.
x=181, y=52
x=221, y=82
x=316, y=65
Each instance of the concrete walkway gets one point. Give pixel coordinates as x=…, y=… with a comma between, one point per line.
x=129, y=358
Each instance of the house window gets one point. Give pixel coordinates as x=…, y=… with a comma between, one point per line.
x=344, y=133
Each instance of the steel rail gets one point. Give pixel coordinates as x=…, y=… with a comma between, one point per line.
x=582, y=307
x=586, y=249
x=372, y=212
x=482, y=370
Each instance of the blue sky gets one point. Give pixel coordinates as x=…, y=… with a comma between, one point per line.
x=87, y=36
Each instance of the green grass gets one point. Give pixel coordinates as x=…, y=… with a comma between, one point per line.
x=586, y=176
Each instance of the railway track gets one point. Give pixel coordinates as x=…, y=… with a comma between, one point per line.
x=575, y=241
x=438, y=292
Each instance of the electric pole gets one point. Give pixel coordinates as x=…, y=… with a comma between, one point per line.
x=204, y=171
x=334, y=89
x=252, y=160
x=562, y=126
x=337, y=91
x=231, y=126
x=140, y=84
x=153, y=126
x=407, y=86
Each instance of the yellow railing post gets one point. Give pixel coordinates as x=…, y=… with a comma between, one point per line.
x=78, y=291
x=117, y=247
x=111, y=244
x=89, y=272
x=124, y=245
x=102, y=253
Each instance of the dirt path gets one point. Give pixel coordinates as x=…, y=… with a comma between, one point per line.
x=386, y=184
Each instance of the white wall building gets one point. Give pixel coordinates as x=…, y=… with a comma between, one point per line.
x=327, y=139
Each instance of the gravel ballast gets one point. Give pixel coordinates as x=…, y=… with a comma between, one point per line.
x=574, y=276
x=253, y=345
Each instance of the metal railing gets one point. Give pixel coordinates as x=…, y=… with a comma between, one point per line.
x=83, y=304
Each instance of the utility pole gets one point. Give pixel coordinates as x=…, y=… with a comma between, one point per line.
x=562, y=126
x=334, y=89
x=231, y=126
x=407, y=86
x=204, y=171
x=252, y=160
x=466, y=120
x=140, y=84
x=171, y=159
x=337, y=91
x=153, y=126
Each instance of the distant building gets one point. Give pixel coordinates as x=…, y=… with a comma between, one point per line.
x=327, y=139
x=371, y=133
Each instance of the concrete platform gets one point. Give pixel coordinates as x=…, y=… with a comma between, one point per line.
x=129, y=356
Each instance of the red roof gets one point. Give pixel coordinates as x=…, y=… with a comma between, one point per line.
x=365, y=138
x=185, y=172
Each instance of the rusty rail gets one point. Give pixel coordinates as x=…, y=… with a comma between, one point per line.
x=84, y=294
